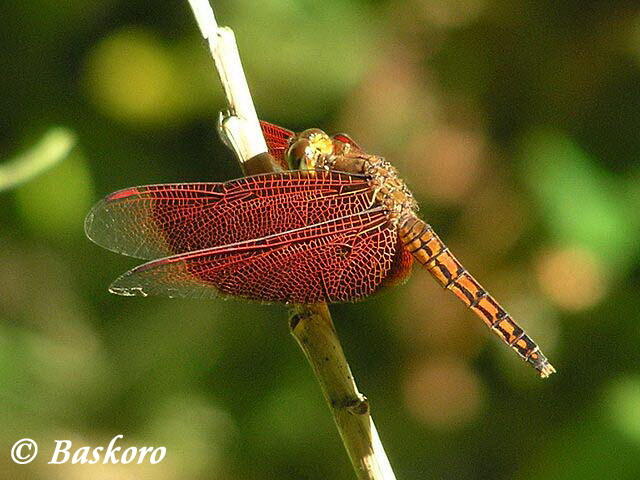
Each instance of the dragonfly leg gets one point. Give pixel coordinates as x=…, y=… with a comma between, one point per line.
x=419, y=238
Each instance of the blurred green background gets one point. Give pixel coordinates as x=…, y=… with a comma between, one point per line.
x=517, y=125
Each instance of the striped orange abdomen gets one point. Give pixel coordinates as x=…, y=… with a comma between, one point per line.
x=419, y=238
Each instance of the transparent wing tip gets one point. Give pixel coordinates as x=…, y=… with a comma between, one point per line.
x=98, y=226
x=144, y=281
x=127, y=291
x=114, y=229
x=88, y=223
x=129, y=285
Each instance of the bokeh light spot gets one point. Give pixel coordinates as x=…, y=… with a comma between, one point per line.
x=443, y=393
x=432, y=318
x=383, y=123
x=623, y=405
x=449, y=13
x=450, y=161
x=190, y=423
x=572, y=278
x=132, y=77
x=580, y=201
x=56, y=203
x=494, y=217
x=313, y=54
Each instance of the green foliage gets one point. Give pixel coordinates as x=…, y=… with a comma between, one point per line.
x=51, y=149
x=55, y=204
x=581, y=203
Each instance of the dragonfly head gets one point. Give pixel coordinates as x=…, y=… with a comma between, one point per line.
x=308, y=147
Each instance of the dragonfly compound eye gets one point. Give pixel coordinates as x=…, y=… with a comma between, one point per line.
x=307, y=149
x=300, y=153
x=319, y=141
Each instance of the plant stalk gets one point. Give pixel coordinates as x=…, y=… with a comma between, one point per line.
x=310, y=325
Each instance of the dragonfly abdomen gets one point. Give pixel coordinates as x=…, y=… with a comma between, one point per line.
x=420, y=240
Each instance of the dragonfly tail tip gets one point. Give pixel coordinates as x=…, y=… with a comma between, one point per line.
x=547, y=370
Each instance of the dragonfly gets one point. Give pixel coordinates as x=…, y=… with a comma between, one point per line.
x=335, y=224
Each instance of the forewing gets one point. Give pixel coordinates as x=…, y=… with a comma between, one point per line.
x=162, y=220
x=341, y=260
x=277, y=139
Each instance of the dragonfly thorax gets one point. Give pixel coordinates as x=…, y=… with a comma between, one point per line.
x=390, y=190
x=314, y=149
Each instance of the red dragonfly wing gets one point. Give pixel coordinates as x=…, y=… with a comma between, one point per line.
x=340, y=260
x=277, y=139
x=161, y=220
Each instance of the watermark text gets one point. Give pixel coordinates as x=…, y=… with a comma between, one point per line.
x=64, y=451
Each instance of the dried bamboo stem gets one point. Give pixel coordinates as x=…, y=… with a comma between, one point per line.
x=313, y=329
x=311, y=325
